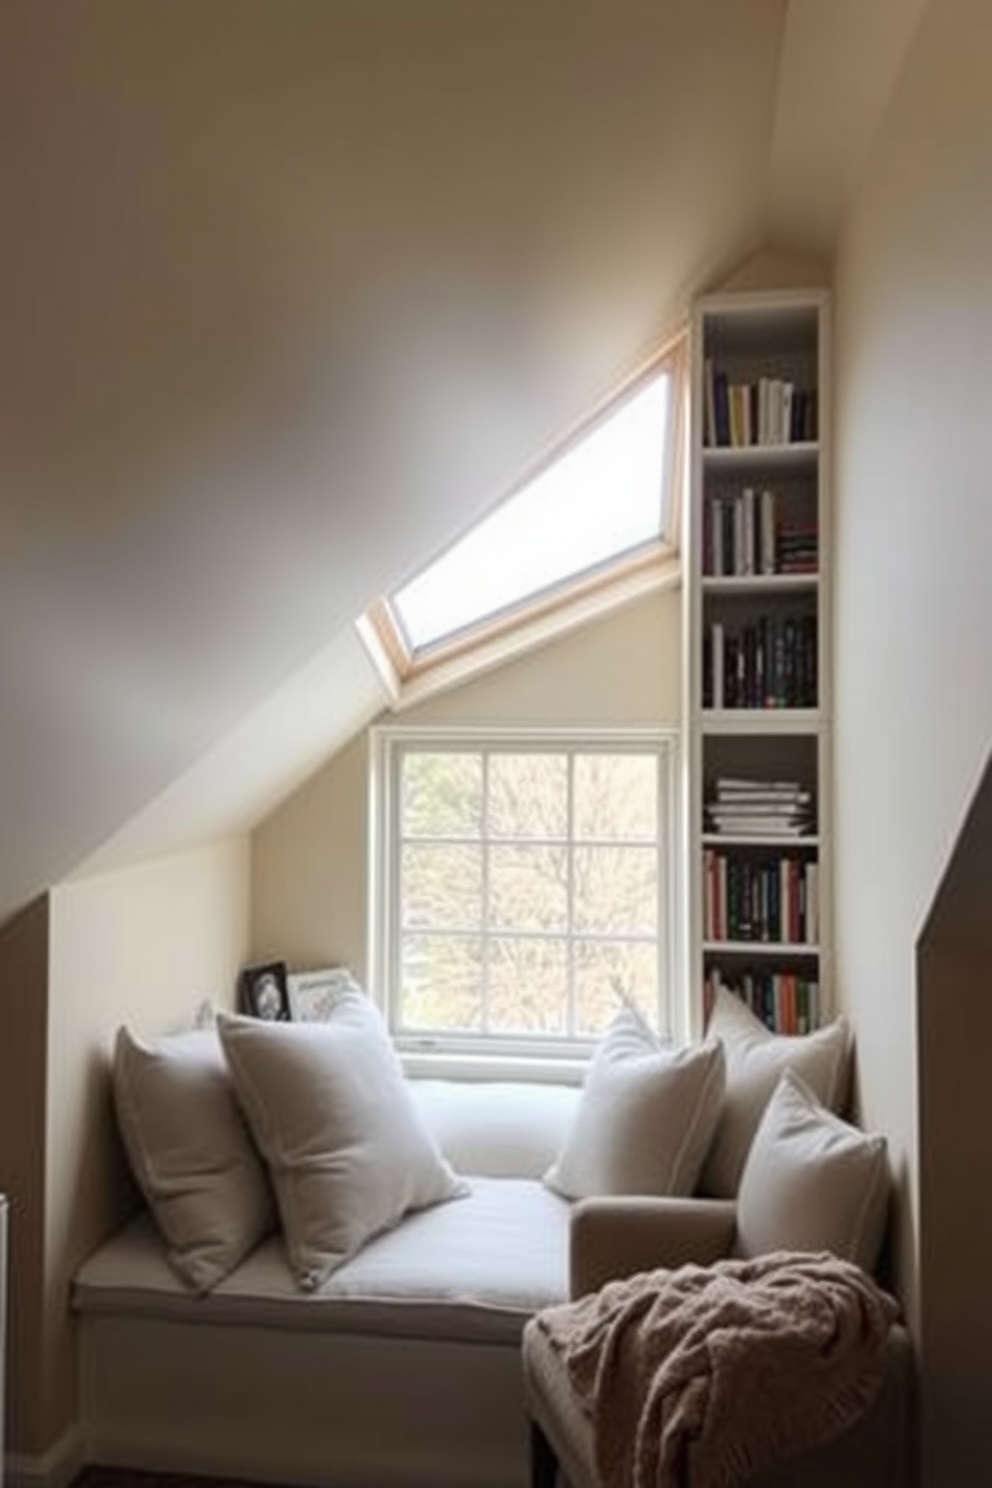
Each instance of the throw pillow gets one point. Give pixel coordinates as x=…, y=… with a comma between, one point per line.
x=645, y=1118
x=348, y=1152
x=191, y=1152
x=756, y=1058
x=812, y=1182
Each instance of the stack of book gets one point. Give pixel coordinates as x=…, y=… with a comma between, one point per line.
x=767, y=410
x=771, y=663
x=796, y=548
x=739, y=534
x=759, y=808
x=787, y=1002
x=769, y=898
x=744, y=536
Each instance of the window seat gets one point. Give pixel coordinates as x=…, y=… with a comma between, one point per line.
x=405, y=1365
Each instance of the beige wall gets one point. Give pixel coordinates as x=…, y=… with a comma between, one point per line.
x=913, y=612
x=309, y=859
x=141, y=946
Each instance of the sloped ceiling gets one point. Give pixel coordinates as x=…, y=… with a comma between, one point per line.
x=839, y=64
x=289, y=293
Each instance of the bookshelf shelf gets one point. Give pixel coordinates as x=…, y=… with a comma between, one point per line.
x=759, y=584
x=748, y=456
x=722, y=839
x=757, y=707
x=756, y=948
x=760, y=720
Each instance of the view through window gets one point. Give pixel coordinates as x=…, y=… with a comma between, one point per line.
x=525, y=886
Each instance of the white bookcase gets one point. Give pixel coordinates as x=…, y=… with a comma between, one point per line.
x=756, y=625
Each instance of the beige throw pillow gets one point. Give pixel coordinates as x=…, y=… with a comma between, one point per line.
x=812, y=1182
x=756, y=1058
x=645, y=1118
x=348, y=1151
x=191, y=1152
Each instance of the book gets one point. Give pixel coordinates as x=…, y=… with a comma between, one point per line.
x=709, y=404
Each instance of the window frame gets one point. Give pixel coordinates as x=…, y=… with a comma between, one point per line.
x=388, y=744
x=652, y=560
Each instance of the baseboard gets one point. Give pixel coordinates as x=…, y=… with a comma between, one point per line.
x=55, y=1468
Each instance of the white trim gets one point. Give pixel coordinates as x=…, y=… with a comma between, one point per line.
x=518, y=639
x=421, y=1053
x=439, y=1065
x=379, y=657
x=54, y=1468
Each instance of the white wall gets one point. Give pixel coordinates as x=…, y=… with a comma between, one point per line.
x=309, y=858
x=913, y=602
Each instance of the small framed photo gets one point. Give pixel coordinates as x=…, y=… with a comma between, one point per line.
x=312, y=994
x=265, y=992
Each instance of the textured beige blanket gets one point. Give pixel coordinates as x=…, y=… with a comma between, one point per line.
x=697, y=1377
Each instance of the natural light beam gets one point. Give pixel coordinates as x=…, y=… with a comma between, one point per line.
x=600, y=499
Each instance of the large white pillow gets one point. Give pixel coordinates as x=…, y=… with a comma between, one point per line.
x=645, y=1117
x=348, y=1152
x=191, y=1152
x=756, y=1058
x=812, y=1182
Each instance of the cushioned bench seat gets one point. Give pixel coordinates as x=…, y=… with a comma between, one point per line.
x=473, y=1269
x=404, y=1367
x=340, y=1355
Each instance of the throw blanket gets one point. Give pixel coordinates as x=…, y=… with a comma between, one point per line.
x=698, y=1377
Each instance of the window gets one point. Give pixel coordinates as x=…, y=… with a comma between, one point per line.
x=598, y=512
x=520, y=882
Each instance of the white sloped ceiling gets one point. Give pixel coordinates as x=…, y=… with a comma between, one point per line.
x=290, y=292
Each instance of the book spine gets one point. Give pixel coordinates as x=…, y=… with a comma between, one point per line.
x=767, y=532
x=709, y=404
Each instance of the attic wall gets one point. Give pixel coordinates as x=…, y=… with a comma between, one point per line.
x=309, y=859
x=23, y=1085
x=913, y=606
x=142, y=946
x=955, y=1035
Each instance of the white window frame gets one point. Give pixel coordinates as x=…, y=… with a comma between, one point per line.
x=413, y=673
x=471, y=1053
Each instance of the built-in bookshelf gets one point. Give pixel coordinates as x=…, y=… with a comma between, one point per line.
x=756, y=625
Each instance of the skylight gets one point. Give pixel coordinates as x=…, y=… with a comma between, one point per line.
x=606, y=496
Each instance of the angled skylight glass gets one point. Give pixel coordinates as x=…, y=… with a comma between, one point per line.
x=605, y=496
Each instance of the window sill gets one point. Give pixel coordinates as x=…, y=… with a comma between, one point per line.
x=545, y=1069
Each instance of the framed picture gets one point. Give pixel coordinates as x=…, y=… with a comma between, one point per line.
x=264, y=992
x=312, y=994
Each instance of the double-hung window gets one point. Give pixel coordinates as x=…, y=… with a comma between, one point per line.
x=522, y=883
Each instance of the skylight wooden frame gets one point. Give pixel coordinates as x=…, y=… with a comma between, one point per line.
x=624, y=569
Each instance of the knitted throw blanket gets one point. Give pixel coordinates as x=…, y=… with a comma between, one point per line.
x=698, y=1377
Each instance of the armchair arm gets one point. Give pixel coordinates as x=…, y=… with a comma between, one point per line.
x=615, y=1237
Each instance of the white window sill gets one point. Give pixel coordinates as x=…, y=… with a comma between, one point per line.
x=444, y=1065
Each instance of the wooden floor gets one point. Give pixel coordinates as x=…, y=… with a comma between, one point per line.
x=95, y=1476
